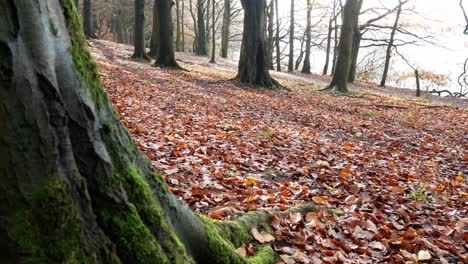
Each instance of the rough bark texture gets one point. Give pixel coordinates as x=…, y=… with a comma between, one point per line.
x=388, y=54
x=201, y=35
x=154, y=42
x=75, y=188
x=253, y=67
x=166, y=53
x=88, y=19
x=277, y=40
x=291, y=39
x=340, y=75
x=306, y=67
x=139, y=52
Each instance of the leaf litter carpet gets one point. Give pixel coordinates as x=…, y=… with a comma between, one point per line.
x=394, y=169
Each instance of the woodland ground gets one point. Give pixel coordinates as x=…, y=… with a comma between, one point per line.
x=393, y=166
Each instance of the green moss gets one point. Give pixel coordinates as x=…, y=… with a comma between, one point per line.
x=49, y=229
x=82, y=59
x=223, y=239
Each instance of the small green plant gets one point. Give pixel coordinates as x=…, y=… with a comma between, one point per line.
x=420, y=193
x=266, y=133
x=368, y=113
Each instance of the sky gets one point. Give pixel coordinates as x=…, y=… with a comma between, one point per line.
x=436, y=15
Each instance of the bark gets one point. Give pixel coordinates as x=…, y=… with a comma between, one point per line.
x=166, y=53
x=225, y=31
x=88, y=19
x=139, y=52
x=182, y=19
x=306, y=67
x=207, y=26
x=178, y=29
x=253, y=67
x=84, y=193
x=201, y=36
x=77, y=5
x=340, y=75
x=195, y=26
x=388, y=54
x=335, y=43
x=291, y=39
x=357, y=36
x=327, y=53
x=213, y=44
x=270, y=39
x=154, y=42
x=277, y=40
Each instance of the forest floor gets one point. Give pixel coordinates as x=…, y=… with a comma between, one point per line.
x=395, y=168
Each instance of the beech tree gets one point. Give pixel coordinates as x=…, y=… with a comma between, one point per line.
x=291, y=39
x=88, y=19
x=154, y=42
x=139, y=35
x=340, y=75
x=201, y=35
x=166, y=53
x=253, y=65
x=225, y=30
x=306, y=66
x=75, y=188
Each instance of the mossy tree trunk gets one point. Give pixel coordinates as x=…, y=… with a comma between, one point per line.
x=166, y=53
x=253, y=66
x=154, y=42
x=75, y=188
x=139, y=52
x=343, y=61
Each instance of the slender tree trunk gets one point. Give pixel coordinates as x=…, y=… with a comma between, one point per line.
x=277, y=40
x=182, y=19
x=340, y=76
x=88, y=19
x=253, y=68
x=208, y=27
x=139, y=34
x=166, y=53
x=225, y=31
x=201, y=41
x=270, y=39
x=306, y=67
x=335, y=43
x=327, y=53
x=213, y=44
x=195, y=26
x=291, y=39
x=356, y=46
x=388, y=54
x=178, y=33
x=154, y=42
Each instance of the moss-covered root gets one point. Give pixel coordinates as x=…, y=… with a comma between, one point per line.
x=225, y=236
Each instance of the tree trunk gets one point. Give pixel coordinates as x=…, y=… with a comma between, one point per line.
x=306, y=67
x=335, y=43
x=182, y=20
x=356, y=46
x=327, y=53
x=207, y=20
x=201, y=41
x=195, y=26
x=166, y=54
x=178, y=33
x=388, y=54
x=340, y=76
x=88, y=19
x=77, y=5
x=154, y=42
x=84, y=193
x=270, y=34
x=213, y=44
x=291, y=40
x=253, y=68
x=225, y=31
x=277, y=40
x=139, y=52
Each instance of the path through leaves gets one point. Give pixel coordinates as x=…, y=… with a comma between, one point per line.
x=395, y=169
